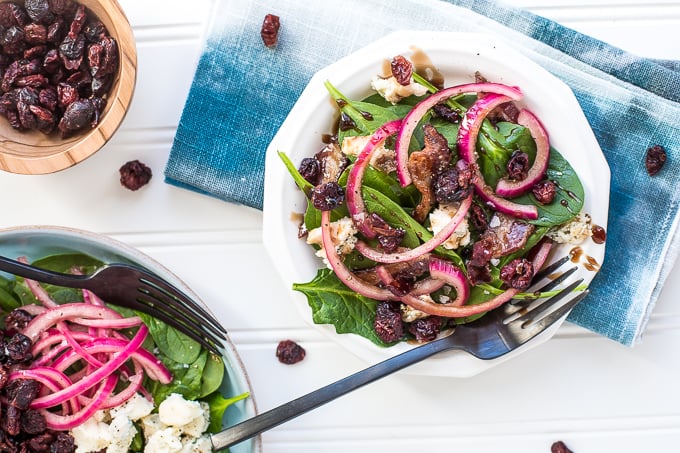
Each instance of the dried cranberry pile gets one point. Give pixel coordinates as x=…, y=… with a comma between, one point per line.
x=23, y=429
x=57, y=63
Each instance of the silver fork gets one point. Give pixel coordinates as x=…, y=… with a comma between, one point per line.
x=135, y=288
x=495, y=334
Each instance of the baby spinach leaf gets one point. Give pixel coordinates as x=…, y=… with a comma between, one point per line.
x=569, y=198
x=212, y=376
x=218, y=406
x=367, y=117
x=171, y=342
x=300, y=181
x=186, y=378
x=334, y=303
x=8, y=298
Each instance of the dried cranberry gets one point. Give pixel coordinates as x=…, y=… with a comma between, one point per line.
x=518, y=273
x=45, y=44
x=17, y=320
x=77, y=116
x=452, y=185
x=426, y=329
x=310, y=170
x=655, y=159
x=518, y=165
x=559, y=447
x=388, y=236
x=270, y=30
x=33, y=422
x=544, y=191
x=289, y=352
x=37, y=9
x=328, y=196
x=446, y=113
x=478, y=218
x=388, y=325
x=402, y=70
x=134, y=175
x=18, y=348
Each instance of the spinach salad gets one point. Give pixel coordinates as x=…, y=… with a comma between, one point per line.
x=430, y=205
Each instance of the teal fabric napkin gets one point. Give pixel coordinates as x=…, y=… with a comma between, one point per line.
x=243, y=91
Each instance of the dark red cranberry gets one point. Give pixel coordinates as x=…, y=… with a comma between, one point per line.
x=289, y=352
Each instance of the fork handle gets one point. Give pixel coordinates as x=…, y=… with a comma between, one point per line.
x=15, y=267
x=278, y=415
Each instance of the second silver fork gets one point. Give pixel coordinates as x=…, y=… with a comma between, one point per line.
x=497, y=333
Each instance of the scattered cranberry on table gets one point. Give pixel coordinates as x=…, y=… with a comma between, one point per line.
x=289, y=352
x=134, y=175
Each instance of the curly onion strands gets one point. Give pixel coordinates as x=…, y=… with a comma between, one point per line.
x=467, y=148
x=66, y=422
x=96, y=376
x=412, y=119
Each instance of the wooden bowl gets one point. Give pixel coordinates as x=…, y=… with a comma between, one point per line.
x=33, y=152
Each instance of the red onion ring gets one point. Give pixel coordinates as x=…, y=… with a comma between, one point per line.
x=508, y=188
x=467, y=147
x=355, y=201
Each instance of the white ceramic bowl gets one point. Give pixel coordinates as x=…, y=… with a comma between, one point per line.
x=36, y=242
x=457, y=56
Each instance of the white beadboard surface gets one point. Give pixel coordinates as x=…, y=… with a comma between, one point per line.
x=594, y=394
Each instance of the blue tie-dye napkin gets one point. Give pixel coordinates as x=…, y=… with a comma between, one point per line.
x=242, y=92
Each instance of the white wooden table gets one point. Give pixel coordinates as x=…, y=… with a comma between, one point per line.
x=594, y=394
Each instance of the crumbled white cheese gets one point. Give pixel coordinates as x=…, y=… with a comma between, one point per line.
x=383, y=159
x=166, y=440
x=441, y=216
x=178, y=427
x=199, y=424
x=177, y=411
x=150, y=424
x=123, y=432
x=199, y=445
x=393, y=91
x=343, y=234
x=134, y=408
x=574, y=232
x=410, y=314
x=91, y=436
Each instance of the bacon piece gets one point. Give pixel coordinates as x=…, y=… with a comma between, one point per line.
x=425, y=165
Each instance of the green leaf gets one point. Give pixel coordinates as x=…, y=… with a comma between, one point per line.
x=569, y=198
x=170, y=341
x=334, y=303
x=186, y=378
x=300, y=181
x=212, y=376
x=218, y=406
x=367, y=117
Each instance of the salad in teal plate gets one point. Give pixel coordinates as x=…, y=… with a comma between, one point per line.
x=412, y=183
x=85, y=375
